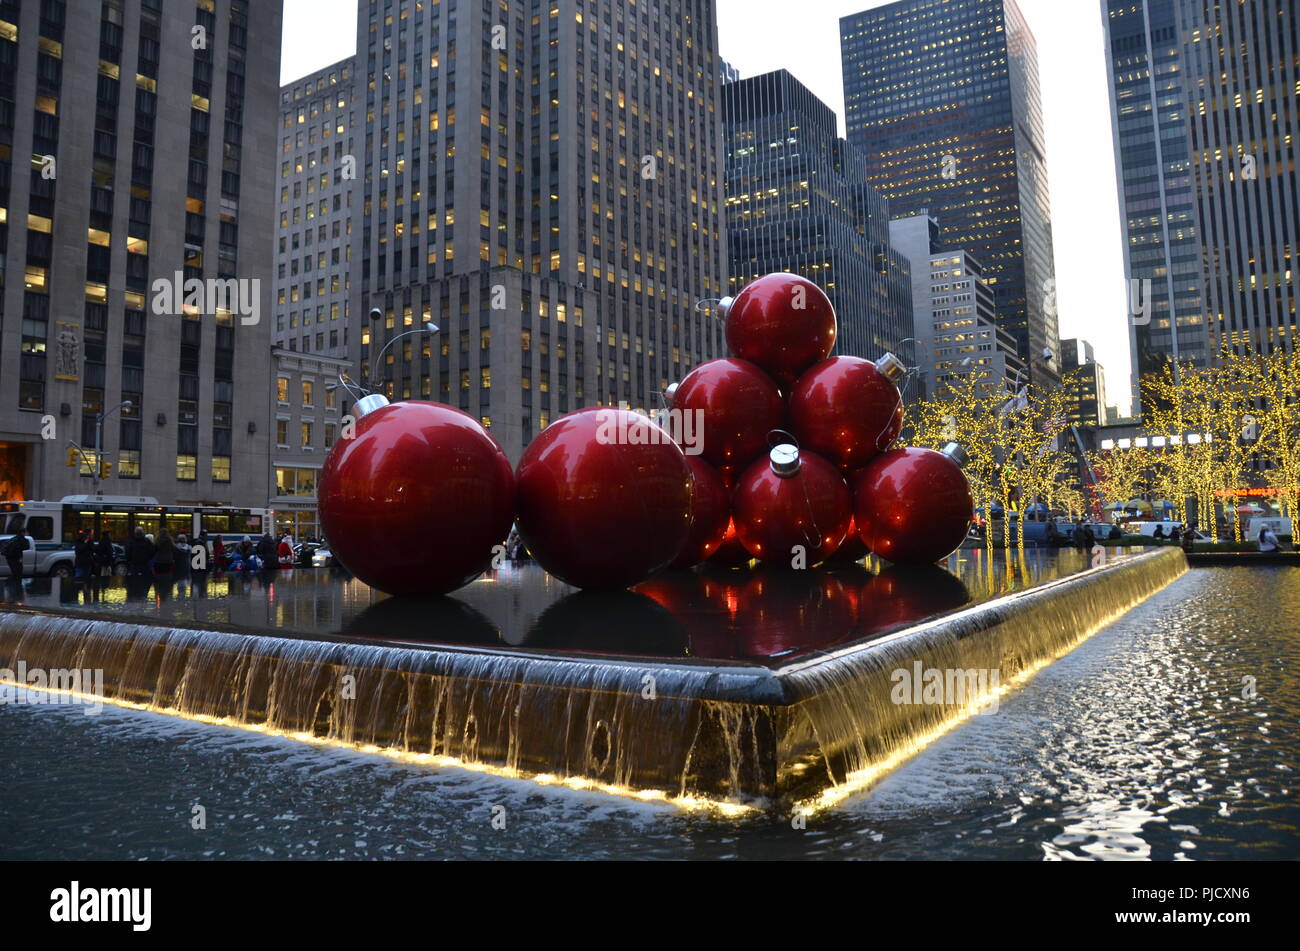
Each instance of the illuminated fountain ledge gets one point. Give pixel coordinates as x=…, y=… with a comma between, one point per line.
x=721, y=735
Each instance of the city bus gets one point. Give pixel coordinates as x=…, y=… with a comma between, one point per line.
x=61, y=522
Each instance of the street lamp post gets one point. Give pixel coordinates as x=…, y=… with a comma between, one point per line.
x=99, y=435
x=427, y=328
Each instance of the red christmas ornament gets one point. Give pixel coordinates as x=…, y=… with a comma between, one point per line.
x=415, y=501
x=604, y=498
x=710, y=514
x=732, y=405
x=790, y=499
x=784, y=323
x=848, y=409
x=913, y=506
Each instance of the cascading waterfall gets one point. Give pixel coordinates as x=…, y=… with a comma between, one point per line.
x=846, y=720
x=567, y=718
x=726, y=733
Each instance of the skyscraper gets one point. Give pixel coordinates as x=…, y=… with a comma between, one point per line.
x=954, y=321
x=543, y=181
x=136, y=168
x=798, y=200
x=317, y=187
x=1084, y=380
x=1205, y=120
x=942, y=96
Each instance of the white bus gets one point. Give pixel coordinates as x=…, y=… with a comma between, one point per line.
x=59, y=523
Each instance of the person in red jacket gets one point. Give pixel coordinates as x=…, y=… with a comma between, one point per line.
x=284, y=553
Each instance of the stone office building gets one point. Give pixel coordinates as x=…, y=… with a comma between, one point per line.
x=544, y=183
x=314, y=323
x=134, y=219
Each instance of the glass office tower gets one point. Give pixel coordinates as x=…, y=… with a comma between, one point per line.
x=942, y=97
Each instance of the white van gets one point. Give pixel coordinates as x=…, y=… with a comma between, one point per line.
x=1280, y=526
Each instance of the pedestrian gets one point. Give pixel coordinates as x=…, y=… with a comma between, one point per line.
x=139, y=552
x=183, y=554
x=164, y=557
x=84, y=556
x=267, y=553
x=1078, y=535
x=1159, y=533
x=1267, y=540
x=285, y=551
x=13, y=552
x=1175, y=534
x=1189, y=536
x=218, y=554
x=105, y=555
x=1089, y=539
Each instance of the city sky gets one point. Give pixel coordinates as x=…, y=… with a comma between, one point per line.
x=761, y=35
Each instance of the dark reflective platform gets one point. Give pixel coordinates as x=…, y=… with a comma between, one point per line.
x=750, y=616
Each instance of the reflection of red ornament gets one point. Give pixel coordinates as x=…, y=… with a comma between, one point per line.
x=908, y=594
x=604, y=498
x=710, y=514
x=792, y=499
x=739, y=405
x=913, y=506
x=704, y=603
x=731, y=553
x=851, y=549
x=782, y=322
x=785, y=612
x=416, y=500
x=848, y=409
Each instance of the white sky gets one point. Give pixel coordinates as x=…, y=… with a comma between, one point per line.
x=761, y=35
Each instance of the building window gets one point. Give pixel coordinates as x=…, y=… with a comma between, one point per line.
x=282, y=432
x=187, y=468
x=306, y=393
x=128, y=464
x=282, y=390
x=306, y=435
x=220, y=468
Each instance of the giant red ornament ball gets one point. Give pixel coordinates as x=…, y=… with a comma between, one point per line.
x=913, y=506
x=792, y=498
x=415, y=501
x=784, y=323
x=848, y=409
x=604, y=498
x=737, y=405
x=710, y=514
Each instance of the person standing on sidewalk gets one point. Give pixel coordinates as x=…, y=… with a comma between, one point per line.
x=13, y=552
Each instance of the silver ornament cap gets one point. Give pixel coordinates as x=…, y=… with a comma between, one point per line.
x=784, y=460
x=956, y=453
x=368, y=404
x=892, y=368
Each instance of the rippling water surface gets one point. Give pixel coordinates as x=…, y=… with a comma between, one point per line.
x=1172, y=734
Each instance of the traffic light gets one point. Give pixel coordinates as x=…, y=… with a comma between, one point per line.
x=105, y=470
x=72, y=456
